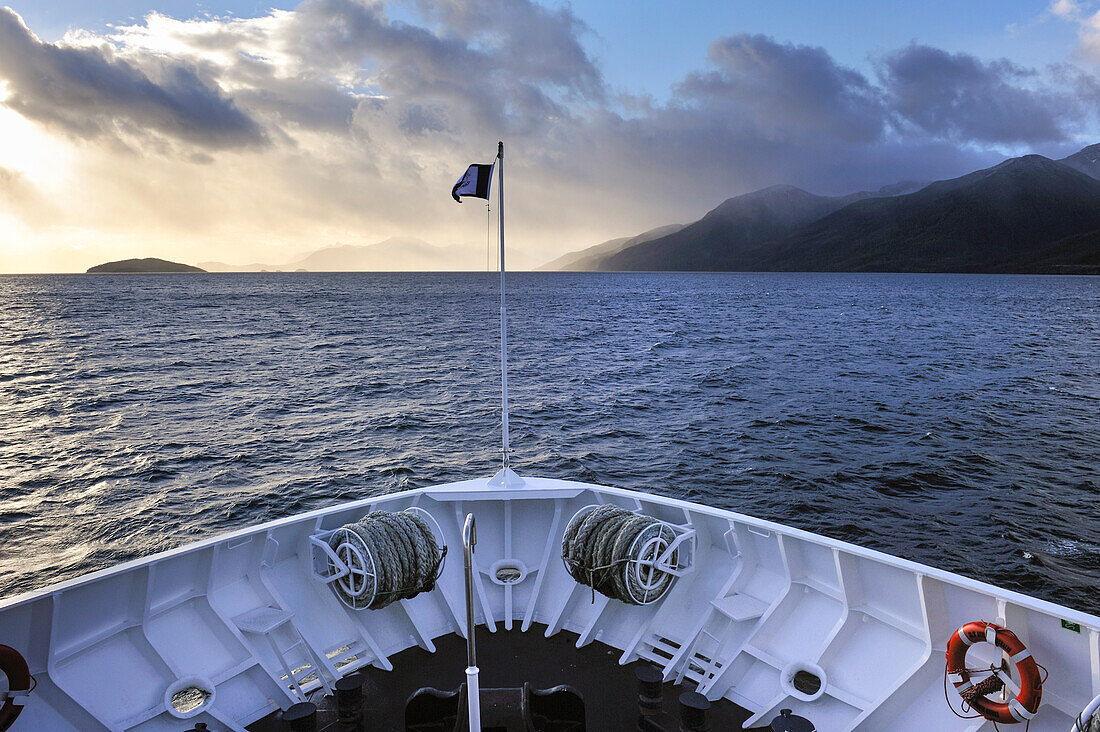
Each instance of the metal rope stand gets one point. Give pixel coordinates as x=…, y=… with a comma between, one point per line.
x=353, y=569
x=656, y=556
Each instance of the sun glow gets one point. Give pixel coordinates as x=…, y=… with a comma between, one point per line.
x=27, y=149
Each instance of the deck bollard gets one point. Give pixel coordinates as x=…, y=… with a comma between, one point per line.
x=650, y=683
x=788, y=721
x=694, y=709
x=349, y=697
x=301, y=717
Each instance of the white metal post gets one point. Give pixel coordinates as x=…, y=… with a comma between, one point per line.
x=473, y=687
x=503, y=309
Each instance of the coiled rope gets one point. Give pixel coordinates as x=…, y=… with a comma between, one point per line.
x=390, y=556
x=992, y=685
x=613, y=551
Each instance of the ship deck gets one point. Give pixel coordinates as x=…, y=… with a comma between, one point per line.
x=507, y=659
x=224, y=622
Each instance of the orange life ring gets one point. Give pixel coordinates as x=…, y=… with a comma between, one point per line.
x=14, y=666
x=1019, y=709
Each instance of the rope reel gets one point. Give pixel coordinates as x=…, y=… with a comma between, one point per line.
x=384, y=557
x=621, y=554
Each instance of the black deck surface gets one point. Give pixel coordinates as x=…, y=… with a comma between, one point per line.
x=507, y=659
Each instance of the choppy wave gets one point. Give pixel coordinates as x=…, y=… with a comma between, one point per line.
x=947, y=419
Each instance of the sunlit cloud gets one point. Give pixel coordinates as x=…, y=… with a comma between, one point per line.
x=90, y=91
x=1065, y=8
x=1086, y=15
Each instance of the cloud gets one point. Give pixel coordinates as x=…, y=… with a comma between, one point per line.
x=1090, y=36
x=513, y=66
x=91, y=92
x=1065, y=8
x=348, y=120
x=958, y=97
x=538, y=43
x=785, y=91
x=18, y=195
x=761, y=113
x=1086, y=15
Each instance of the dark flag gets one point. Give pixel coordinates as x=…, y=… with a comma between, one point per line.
x=474, y=183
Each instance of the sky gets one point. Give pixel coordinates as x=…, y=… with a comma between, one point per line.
x=248, y=131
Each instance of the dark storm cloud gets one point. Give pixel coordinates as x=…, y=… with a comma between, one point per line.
x=530, y=40
x=699, y=153
x=511, y=66
x=784, y=90
x=420, y=120
x=90, y=92
x=764, y=113
x=288, y=102
x=957, y=96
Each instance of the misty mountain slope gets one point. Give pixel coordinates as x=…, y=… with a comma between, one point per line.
x=729, y=237
x=586, y=259
x=254, y=267
x=996, y=220
x=397, y=253
x=1086, y=160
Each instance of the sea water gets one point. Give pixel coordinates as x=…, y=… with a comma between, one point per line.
x=949, y=419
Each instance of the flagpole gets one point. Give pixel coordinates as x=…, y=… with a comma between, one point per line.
x=503, y=311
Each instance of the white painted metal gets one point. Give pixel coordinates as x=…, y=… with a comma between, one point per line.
x=473, y=686
x=758, y=601
x=473, y=698
x=1081, y=724
x=503, y=314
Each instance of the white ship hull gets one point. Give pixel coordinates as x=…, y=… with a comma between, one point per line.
x=245, y=616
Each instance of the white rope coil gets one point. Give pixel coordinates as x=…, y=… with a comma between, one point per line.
x=616, y=553
x=389, y=557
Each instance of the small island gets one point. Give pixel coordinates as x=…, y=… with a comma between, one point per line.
x=142, y=266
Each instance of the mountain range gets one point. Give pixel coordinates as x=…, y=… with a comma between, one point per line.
x=588, y=259
x=397, y=254
x=1027, y=214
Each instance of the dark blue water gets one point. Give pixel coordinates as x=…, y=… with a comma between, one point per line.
x=954, y=420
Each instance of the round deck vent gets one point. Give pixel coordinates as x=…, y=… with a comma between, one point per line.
x=508, y=571
x=188, y=697
x=803, y=680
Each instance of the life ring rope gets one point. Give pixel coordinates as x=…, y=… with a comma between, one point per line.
x=1026, y=696
x=20, y=684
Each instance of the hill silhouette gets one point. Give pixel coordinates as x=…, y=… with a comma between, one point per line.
x=147, y=265
x=1027, y=214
